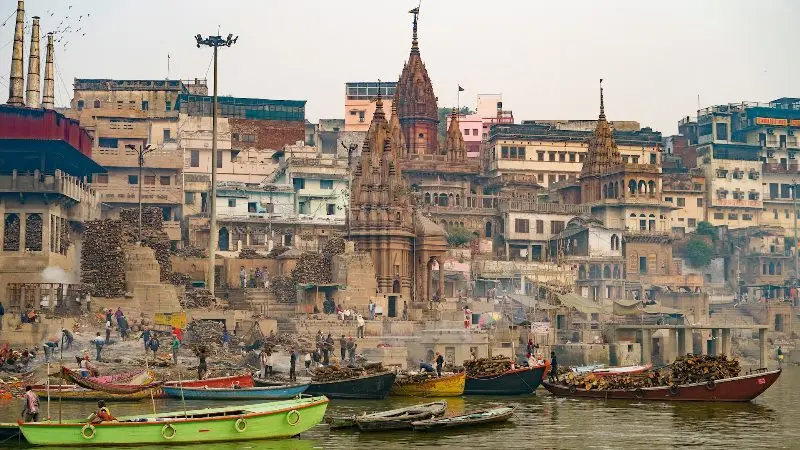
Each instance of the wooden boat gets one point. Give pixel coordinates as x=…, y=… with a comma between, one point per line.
x=580, y=370
x=400, y=419
x=621, y=370
x=251, y=393
x=447, y=386
x=376, y=386
x=9, y=434
x=493, y=415
x=245, y=380
x=139, y=383
x=737, y=389
x=273, y=420
x=267, y=383
x=513, y=382
x=79, y=394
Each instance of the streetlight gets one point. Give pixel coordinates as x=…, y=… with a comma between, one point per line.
x=215, y=42
x=141, y=151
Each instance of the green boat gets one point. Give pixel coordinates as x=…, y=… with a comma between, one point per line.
x=273, y=420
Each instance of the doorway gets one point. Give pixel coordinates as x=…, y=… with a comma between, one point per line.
x=392, y=306
x=224, y=239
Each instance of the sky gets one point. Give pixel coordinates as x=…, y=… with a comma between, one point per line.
x=545, y=57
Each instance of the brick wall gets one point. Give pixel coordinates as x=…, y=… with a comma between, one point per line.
x=269, y=134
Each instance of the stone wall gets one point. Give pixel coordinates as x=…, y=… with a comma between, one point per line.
x=582, y=354
x=269, y=134
x=357, y=272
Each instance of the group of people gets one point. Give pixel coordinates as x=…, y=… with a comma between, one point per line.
x=258, y=277
x=427, y=367
x=30, y=409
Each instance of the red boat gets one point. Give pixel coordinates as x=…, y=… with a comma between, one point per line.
x=737, y=389
x=245, y=380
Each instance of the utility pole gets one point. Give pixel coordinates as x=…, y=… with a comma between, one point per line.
x=216, y=42
x=794, y=206
x=141, y=151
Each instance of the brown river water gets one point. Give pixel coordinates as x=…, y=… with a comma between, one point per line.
x=541, y=421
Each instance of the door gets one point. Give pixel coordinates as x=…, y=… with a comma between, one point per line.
x=224, y=239
x=392, y=306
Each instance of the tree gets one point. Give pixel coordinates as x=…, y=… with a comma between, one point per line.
x=706, y=229
x=697, y=252
x=458, y=237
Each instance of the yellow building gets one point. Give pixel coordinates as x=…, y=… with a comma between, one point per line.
x=685, y=191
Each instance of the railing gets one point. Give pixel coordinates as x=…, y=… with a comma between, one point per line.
x=58, y=183
x=543, y=207
x=292, y=218
x=157, y=159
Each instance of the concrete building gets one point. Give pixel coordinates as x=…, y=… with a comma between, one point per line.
x=686, y=191
x=359, y=102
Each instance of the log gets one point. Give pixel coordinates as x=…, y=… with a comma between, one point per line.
x=488, y=366
x=312, y=268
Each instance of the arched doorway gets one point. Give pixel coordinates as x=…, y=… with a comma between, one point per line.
x=224, y=239
x=488, y=229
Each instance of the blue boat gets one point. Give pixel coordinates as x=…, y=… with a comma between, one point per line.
x=253, y=393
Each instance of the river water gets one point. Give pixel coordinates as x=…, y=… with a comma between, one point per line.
x=543, y=421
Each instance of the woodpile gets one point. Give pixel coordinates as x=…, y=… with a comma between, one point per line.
x=337, y=373
x=191, y=252
x=284, y=289
x=153, y=235
x=205, y=333
x=633, y=381
x=250, y=253
x=198, y=298
x=152, y=218
x=102, y=258
x=276, y=251
x=180, y=279
x=65, y=239
x=414, y=378
x=488, y=366
x=159, y=242
x=334, y=246
x=312, y=268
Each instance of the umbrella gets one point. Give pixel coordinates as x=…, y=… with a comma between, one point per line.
x=488, y=318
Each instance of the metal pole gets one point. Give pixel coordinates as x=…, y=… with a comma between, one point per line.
x=794, y=206
x=212, y=227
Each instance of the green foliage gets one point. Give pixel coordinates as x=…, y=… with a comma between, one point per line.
x=458, y=237
x=706, y=229
x=697, y=252
x=443, y=114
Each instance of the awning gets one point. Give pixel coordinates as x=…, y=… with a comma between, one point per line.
x=634, y=307
x=582, y=304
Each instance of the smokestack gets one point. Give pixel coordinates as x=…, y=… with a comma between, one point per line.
x=48, y=100
x=17, y=86
x=34, y=68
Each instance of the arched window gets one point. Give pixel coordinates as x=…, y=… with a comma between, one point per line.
x=632, y=186
x=97, y=103
x=581, y=272
x=427, y=198
x=605, y=191
x=607, y=272
x=642, y=187
x=488, y=229
x=616, y=189
x=458, y=200
x=651, y=186
x=442, y=199
x=11, y=233
x=450, y=200
x=616, y=272
x=33, y=232
x=614, y=242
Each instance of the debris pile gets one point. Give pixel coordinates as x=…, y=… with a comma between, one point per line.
x=284, y=289
x=337, y=373
x=312, y=268
x=199, y=298
x=250, y=253
x=102, y=258
x=482, y=367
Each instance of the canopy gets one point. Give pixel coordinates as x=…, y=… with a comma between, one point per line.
x=582, y=304
x=634, y=307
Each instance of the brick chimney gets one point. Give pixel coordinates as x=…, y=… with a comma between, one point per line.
x=48, y=100
x=34, y=68
x=17, y=85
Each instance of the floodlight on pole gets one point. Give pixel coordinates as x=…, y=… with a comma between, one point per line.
x=140, y=152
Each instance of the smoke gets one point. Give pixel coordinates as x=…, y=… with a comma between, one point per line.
x=53, y=274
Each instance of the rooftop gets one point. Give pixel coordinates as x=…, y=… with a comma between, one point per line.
x=107, y=84
x=243, y=108
x=645, y=136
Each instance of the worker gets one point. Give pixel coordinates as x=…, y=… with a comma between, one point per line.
x=176, y=345
x=49, y=347
x=360, y=329
x=328, y=349
x=103, y=414
x=242, y=277
x=292, y=364
x=308, y=358
x=405, y=310
x=425, y=367
x=264, y=361
x=67, y=338
x=85, y=367
x=226, y=337
x=153, y=345
x=343, y=349
x=177, y=332
x=779, y=354
x=98, y=344
x=146, y=337
x=30, y=411
x=553, y=368
x=202, y=365
x=108, y=330
x=439, y=363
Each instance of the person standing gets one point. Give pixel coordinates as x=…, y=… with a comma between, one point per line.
x=49, y=347
x=779, y=355
x=263, y=359
x=326, y=358
x=122, y=322
x=307, y=360
x=553, y=368
x=85, y=367
x=467, y=317
x=242, y=277
x=353, y=346
x=439, y=363
x=108, y=330
x=405, y=310
x=292, y=364
x=176, y=345
x=30, y=411
x=146, y=338
x=67, y=338
x=202, y=364
x=153, y=345
x=226, y=338
x=177, y=332
x=371, y=310
x=360, y=329
x=98, y=345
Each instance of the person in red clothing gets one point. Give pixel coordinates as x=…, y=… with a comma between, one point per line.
x=102, y=414
x=177, y=333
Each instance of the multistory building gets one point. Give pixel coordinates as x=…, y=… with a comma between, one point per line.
x=359, y=102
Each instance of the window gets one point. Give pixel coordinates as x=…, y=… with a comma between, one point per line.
x=652, y=158
x=145, y=105
x=782, y=139
x=248, y=137
x=504, y=152
x=362, y=116
x=219, y=159
x=168, y=106
x=635, y=159
x=722, y=194
x=521, y=226
x=552, y=155
x=194, y=158
x=668, y=199
x=762, y=139
x=97, y=104
x=692, y=222
x=700, y=202
x=562, y=157
x=167, y=135
x=421, y=135
x=132, y=104
x=719, y=216
x=119, y=104
x=753, y=175
x=643, y=264
x=188, y=198
x=80, y=105
x=738, y=174
x=101, y=178
x=551, y=178
x=474, y=131
x=581, y=157
x=299, y=183
x=133, y=179
x=722, y=173
x=231, y=203
x=540, y=226
x=561, y=177
x=747, y=217
x=540, y=177
x=326, y=184
x=571, y=156
x=251, y=207
x=150, y=179
x=540, y=156
x=521, y=153
x=752, y=195
x=698, y=187
x=773, y=190
x=556, y=226
x=738, y=195
x=722, y=131
x=786, y=191
x=733, y=216
x=466, y=132
x=681, y=202
x=164, y=180
x=108, y=142
x=513, y=153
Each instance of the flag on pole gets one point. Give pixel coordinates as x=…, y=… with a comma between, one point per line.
x=460, y=89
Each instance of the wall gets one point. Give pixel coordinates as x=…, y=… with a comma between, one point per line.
x=268, y=134
x=352, y=122
x=581, y=354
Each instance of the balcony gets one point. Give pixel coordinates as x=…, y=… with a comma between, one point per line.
x=776, y=168
x=129, y=193
x=157, y=159
x=543, y=207
x=58, y=183
x=263, y=218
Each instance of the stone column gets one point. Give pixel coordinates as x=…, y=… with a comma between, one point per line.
x=726, y=341
x=715, y=336
x=508, y=252
x=441, y=277
x=682, y=341
x=762, y=347
x=23, y=219
x=688, y=343
x=670, y=345
x=647, y=346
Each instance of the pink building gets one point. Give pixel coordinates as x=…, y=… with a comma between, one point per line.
x=475, y=127
x=471, y=126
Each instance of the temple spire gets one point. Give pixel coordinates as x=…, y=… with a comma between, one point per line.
x=379, y=102
x=414, y=41
x=602, y=107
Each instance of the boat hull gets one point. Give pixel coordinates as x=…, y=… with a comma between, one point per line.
x=369, y=387
x=245, y=380
x=274, y=420
x=496, y=415
x=400, y=419
x=254, y=393
x=737, y=389
x=514, y=382
x=449, y=386
x=91, y=396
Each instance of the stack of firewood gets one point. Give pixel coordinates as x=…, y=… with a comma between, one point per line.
x=699, y=368
x=312, y=268
x=276, y=251
x=487, y=366
x=250, y=253
x=334, y=246
x=198, y=298
x=284, y=289
x=336, y=373
x=65, y=239
x=152, y=218
x=33, y=233
x=191, y=252
x=205, y=333
x=414, y=378
x=102, y=258
x=180, y=279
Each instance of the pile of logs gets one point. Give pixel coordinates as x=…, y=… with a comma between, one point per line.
x=152, y=218
x=205, y=333
x=65, y=239
x=102, y=258
x=198, y=298
x=415, y=378
x=276, y=251
x=284, y=289
x=337, y=373
x=698, y=368
x=180, y=279
x=591, y=381
x=334, y=246
x=249, y=253
x=191, y=252
x=312, y=268
x=482, y=367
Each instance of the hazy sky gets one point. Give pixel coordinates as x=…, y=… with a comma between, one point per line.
x=545, y=57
